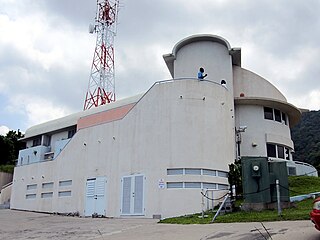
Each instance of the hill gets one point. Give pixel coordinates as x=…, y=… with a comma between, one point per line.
x=306, y=138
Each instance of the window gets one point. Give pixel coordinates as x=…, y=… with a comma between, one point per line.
x=65, y=183
x=271, y=150
x=287, y=153
x=36, y=142
x=280, y=151
x=46, y=140
x=268, y=113
x=277, y=115
x=222, y=174
x=223, y=187
x=47, y=185
x=47, y=195
x=284, y=119
x=31, y=196
x=292, y=171
x=196, y=171
x=192, y=184
x=175, y=171
x=209, y=185
x=209, y=172
x=193, y=171
x=72, y=132
x=64, y=194
x=31, y=186
x=174, y=185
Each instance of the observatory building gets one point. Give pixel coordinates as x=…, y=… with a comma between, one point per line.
x=153, y=154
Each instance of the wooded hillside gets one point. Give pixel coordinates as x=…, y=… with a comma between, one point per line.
x=306, y=138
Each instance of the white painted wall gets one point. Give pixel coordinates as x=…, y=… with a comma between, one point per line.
x=162, y=131
x=260, y=131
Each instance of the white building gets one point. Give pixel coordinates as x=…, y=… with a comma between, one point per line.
x=151, y=155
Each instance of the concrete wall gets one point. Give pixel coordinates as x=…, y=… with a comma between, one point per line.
x=179, y=124
x=5, y=194
x=260, y=131
x=5, y=178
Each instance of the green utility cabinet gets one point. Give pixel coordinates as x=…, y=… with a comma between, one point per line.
x=259, y=180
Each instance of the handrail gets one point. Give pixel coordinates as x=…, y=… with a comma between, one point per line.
x=303, y=163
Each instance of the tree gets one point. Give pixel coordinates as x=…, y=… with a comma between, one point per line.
x=10, y=147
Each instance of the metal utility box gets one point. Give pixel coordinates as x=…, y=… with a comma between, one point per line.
x=278, y=171
x=259, y=182
x=255, y=179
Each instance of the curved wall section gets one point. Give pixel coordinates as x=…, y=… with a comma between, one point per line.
x=252, y=85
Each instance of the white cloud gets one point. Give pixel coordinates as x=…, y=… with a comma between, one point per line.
x=4, y=130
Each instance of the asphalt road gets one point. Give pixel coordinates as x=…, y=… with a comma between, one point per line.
x=28, y=225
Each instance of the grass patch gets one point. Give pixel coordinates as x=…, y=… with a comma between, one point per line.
x=297, y=185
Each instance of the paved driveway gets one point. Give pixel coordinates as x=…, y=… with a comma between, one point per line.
x=27, y=225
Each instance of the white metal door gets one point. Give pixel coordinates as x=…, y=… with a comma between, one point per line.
x=95, y=196
x=132, y=195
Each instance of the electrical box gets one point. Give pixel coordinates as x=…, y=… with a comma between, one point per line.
x=255, y=179
x=259, y=180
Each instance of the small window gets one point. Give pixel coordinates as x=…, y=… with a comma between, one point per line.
x=292, y=171
x=31, y=196
x=46, y=140
x=36, y=142
x=192, y=185
x=175, y=171
x=64, y=194
x=222, y=174
x=271, y=150
x=65, y=183
x=287, y=153
x=209, y=172
x=223, y=187
x=47, y=185
x=209, y=185
x=192, y=171
x=280, y=151
x=284, y=119
x=268, y=113
x=277, y=115
x=174, y=185
x=31, y=186
x=71, y=133
x=47, y=195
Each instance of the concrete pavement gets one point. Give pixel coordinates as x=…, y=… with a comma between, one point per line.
x=27, y=225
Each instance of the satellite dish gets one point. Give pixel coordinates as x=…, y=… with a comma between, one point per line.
x=91, y=28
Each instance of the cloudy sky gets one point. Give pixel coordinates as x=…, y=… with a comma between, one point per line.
x=46, y=50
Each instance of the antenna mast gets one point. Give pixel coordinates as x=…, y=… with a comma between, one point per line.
x=101, y=88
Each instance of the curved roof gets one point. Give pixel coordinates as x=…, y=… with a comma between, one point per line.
x=293, y=112
x=252, y=85
x=234, y=52
x=71, y=120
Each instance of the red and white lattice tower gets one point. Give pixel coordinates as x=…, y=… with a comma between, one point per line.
x=101, y=88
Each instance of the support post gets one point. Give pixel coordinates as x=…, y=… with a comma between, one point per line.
x=278, y=198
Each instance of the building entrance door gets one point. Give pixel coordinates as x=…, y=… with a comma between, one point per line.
x=132, y=200
x=95, y=196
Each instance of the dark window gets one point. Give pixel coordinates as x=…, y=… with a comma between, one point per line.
x=280, y=151
x=277, y=115
x=71, y=133
x=36, y=142
x=284, y=119
x=268, y=113
x=287, y=153
x=271, y=150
